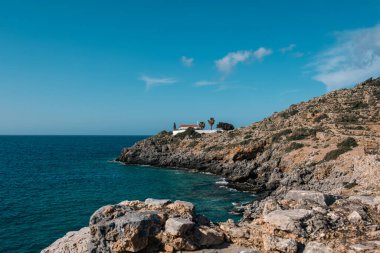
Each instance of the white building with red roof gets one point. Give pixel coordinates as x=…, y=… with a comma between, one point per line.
x=182, y=128
x=186, y=126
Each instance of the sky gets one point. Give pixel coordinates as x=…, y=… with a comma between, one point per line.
x=135, y=67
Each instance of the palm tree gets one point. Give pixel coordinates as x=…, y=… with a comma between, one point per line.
x=211, y=121
x=202, y=125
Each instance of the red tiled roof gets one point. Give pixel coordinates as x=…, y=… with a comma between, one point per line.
x=189, y=125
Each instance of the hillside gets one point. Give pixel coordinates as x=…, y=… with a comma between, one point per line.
x=324, y=144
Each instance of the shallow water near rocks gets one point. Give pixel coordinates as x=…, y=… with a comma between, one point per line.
x=50, y=185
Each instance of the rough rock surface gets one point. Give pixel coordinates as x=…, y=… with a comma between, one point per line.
x=72, y=242
x=315, y=247
x=294, y=226
x=135, y=226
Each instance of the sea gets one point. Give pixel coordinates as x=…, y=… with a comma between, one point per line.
x=50, y=185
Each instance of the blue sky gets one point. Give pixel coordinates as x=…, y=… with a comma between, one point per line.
x=135, y=67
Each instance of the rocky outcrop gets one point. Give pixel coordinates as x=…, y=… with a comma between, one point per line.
x=135, y=226
x=285, y=225
x=301, y=225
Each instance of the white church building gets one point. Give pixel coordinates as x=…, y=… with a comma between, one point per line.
x=182, y=128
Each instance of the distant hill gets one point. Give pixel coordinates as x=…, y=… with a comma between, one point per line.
x=325, y=144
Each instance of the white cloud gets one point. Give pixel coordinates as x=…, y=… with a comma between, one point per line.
x=262, y=52
x=228, y=62
x=205, y=83
x=288, y=48
x=353, y=58
x=152, y=81
x=186, y=61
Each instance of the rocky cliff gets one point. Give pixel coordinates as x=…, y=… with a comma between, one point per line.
x=328, y=143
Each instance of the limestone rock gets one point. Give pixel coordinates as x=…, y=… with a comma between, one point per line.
x=206, y=236
x=270, y=205
x=128, y=232
x=181, y=244
x=157, y=202
x=316, y=247
x=273, y=243
x=178, y=226
x=354, y=217
x=286, y=219
x=316, y=197
x=183, y=208
x=72, y=242
x=361, y=247
x=367, y=200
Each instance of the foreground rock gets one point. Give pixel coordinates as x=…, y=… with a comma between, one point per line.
x=289, y=224
x=72, y=242
x=150, y=226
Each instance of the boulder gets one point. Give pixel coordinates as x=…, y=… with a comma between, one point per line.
x=270, y=205
x=367, y=200
x=183, y=208
x=316, y=247
x=117, y=229
x=157, y=202
x=274, y=243
x=361, y=247
x=206, y=236
x=72, y=242
x=354, y=217
x=181, y=244
x=312, y=196
x=287, y=219
x=178, y=226
x=374, y=243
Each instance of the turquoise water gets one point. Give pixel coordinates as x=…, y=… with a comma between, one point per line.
x=50, y=185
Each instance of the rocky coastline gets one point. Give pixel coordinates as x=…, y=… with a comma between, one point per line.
x=315, y=167
x=301, y=221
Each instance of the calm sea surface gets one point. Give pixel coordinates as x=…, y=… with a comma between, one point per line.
x=50, y=185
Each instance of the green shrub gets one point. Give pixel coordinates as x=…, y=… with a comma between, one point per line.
x=294, y=146
x=359, y=105
x=193, y=144
x=277, y=136
x=247, y=136
x=343, y=147
x=225, y=126
x=348, y=143
x=333, y=154
x=376, y=94
x=188, y=132
x=348, y=118
x=289, y=113
x=302, y=133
